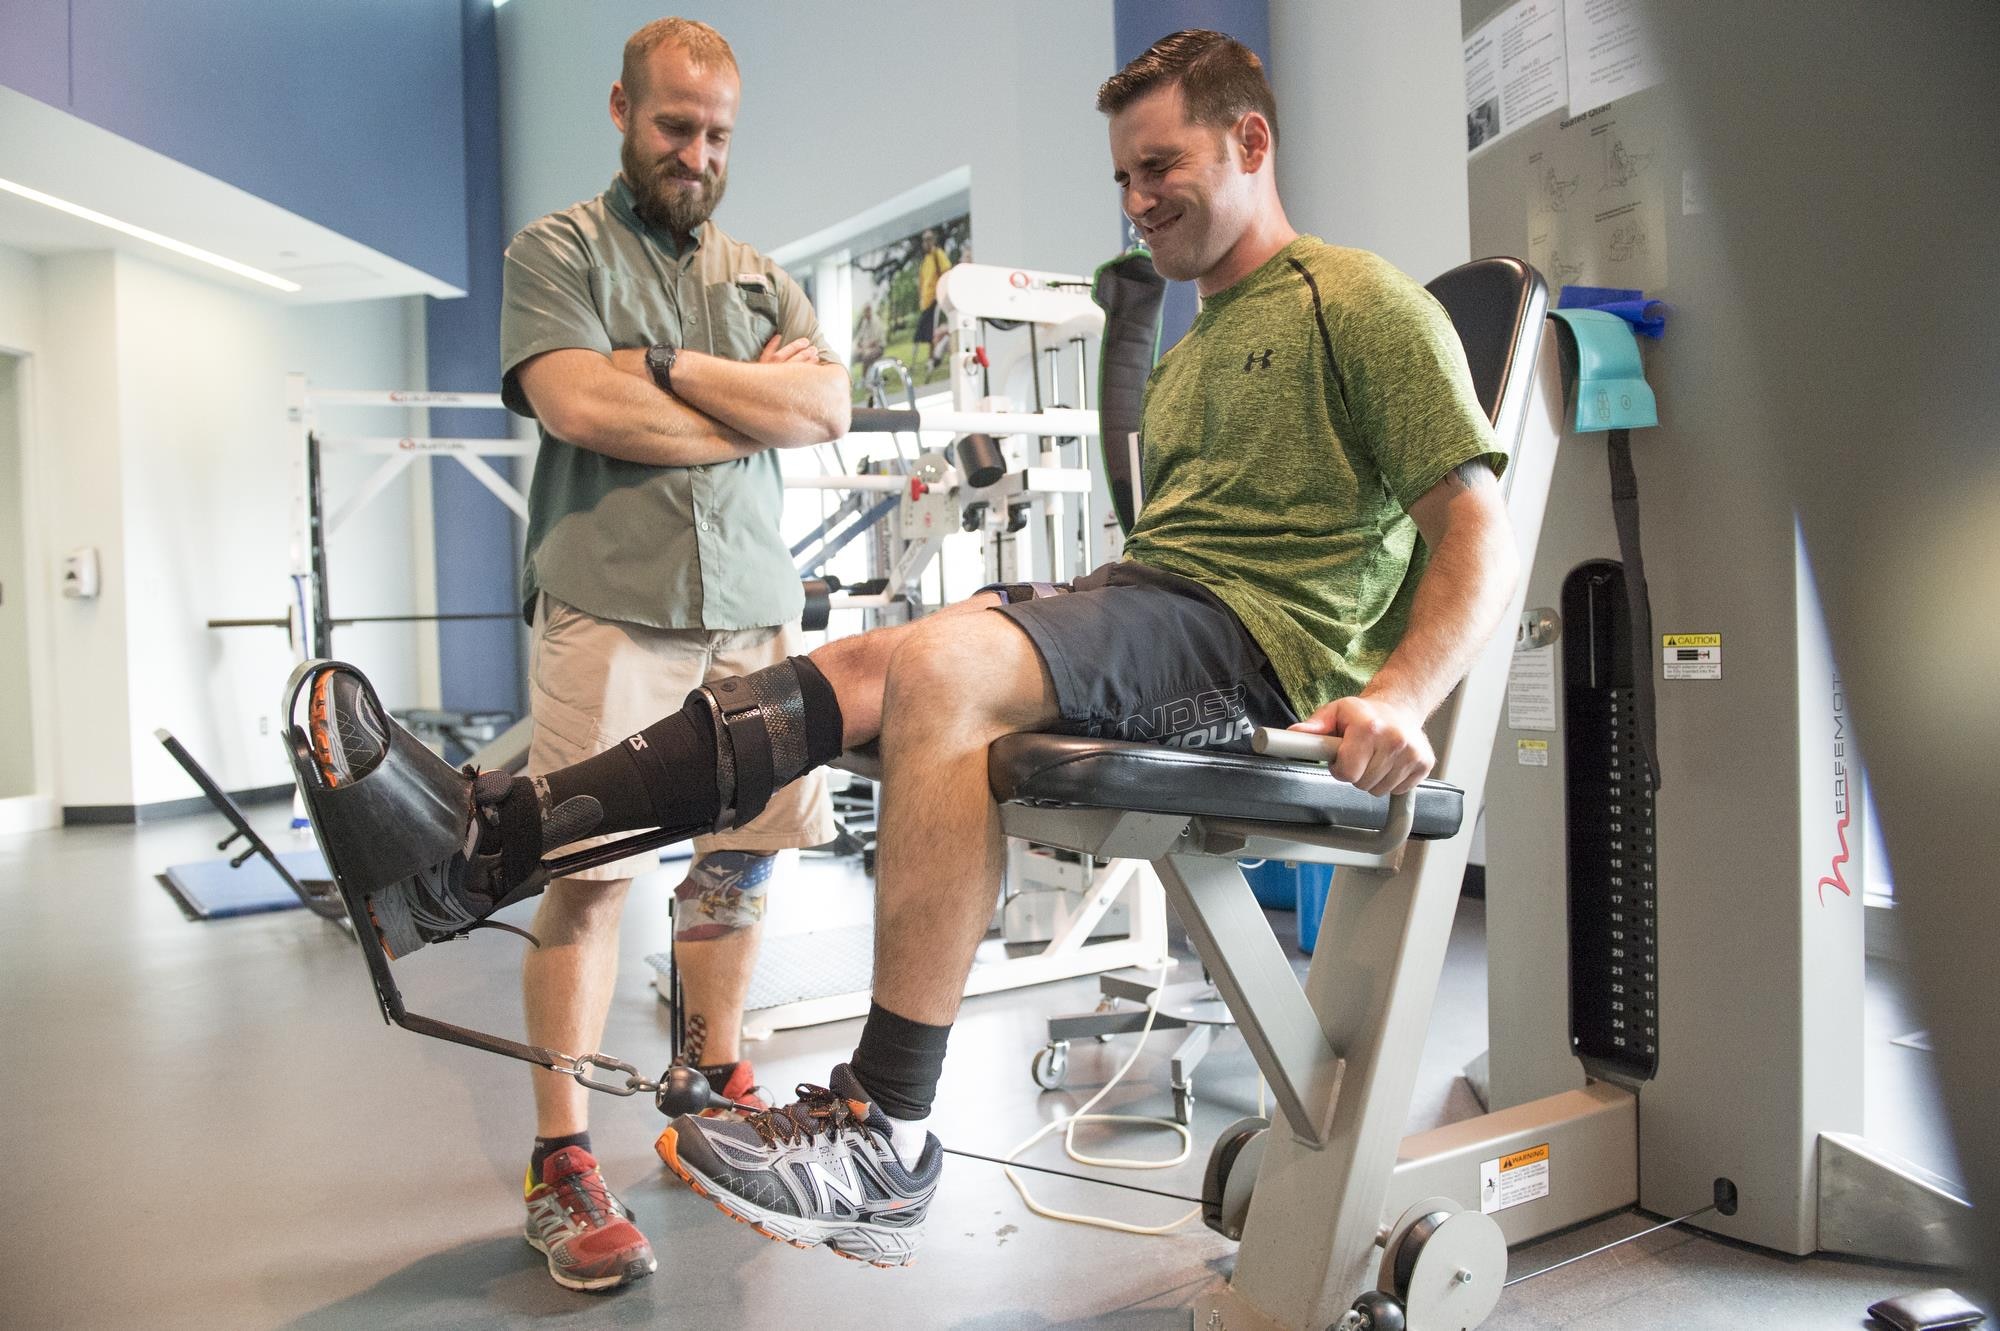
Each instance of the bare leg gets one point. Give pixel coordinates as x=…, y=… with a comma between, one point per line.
x=715, y=979
x=566, y=986
x=857, y=666
x=950, y=694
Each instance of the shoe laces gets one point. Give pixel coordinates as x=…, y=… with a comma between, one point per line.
x=816, y=1110
x=586, y=1191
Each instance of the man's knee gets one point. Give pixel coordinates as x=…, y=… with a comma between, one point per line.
x=724, y=893
x=978, y=668
x=573, y=907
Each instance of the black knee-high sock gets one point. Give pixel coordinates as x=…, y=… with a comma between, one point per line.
x=898, y=1062
x=665, y=776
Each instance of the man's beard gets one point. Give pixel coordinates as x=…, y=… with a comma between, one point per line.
x=662, y=203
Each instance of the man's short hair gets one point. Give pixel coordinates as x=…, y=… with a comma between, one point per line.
x=703, y=44
x=1219, y=77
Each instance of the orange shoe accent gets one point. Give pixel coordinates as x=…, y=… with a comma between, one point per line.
x=317, y=712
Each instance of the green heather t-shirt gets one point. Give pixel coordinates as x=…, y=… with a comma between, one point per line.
x=667, y=547
x=1284, y=440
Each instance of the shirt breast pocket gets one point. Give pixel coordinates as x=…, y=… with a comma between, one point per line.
x=621, y=310
x=745, y=319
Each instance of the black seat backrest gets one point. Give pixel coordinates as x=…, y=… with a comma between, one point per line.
x=1497, y=306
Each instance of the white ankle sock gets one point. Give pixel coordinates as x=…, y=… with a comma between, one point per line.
x=907, y=1136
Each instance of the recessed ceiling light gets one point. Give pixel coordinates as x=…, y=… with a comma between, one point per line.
x=151, y=237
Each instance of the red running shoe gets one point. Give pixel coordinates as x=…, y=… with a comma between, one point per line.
x=586, y=1233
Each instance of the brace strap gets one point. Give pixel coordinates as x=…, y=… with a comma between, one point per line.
x=740, y=717
x=1013, y=592
x=520, y=816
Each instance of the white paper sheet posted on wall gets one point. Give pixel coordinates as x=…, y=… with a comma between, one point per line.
x=1691, y=655
x=1531, y=690
x=1514, y=1179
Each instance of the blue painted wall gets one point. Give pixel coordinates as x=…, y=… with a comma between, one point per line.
x=34, y=48
x=480, y=663
x=347, y=113
x=1136, y=25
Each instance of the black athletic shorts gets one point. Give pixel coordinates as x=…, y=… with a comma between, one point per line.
x=1143, y=655
x=926, y=329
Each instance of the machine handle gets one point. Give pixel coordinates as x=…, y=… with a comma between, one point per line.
x=1296, y=744
x=1303, y=746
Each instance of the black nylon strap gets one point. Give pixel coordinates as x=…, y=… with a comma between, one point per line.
x=749, y=747
x=520, y=833
x=1638, y=602
x=751, y=743
x=661, y=792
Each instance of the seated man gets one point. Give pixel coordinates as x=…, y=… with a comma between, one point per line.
x=1323, y=539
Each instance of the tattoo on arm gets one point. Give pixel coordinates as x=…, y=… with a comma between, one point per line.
x=1470, y=475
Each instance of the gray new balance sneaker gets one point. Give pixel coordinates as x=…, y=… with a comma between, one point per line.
x=817, y=1171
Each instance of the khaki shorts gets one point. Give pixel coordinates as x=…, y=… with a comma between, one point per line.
x=594, y=681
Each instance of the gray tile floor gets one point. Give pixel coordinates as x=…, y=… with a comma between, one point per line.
x=209, y=1127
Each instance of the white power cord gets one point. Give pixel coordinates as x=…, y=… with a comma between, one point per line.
x=1068, y=1123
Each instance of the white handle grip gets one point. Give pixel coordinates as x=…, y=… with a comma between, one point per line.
x=1298, y=744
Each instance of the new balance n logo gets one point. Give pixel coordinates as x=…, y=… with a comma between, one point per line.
x=1258, y=360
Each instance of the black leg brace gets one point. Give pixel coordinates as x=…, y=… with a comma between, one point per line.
x=711, y=766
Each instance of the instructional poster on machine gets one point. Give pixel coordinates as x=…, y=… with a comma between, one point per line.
x=1597, y=204
x=1514, y=71
x=1610, y=52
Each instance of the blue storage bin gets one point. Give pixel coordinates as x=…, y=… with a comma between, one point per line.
x=1315, y=881
x=1275, y=883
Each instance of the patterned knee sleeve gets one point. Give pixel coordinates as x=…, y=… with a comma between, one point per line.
x=723, y=893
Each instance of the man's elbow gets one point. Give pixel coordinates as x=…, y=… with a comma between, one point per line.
x=570, y=419
x=828, y=416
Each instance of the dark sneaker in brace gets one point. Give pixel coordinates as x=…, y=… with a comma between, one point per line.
x=586, y=1233
x=817, y=1171
x=350, y=736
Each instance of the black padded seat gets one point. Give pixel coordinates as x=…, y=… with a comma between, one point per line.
x=1075, y=772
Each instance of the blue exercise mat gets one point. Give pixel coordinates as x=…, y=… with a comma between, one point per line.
x=211, y=890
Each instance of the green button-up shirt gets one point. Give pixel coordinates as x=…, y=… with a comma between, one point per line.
x=667, y=547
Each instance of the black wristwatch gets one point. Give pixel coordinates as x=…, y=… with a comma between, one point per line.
x=660, y=364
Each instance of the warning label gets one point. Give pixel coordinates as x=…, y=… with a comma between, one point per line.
x=1691, y=655
x=1692, y=662
x=1532, y=752
x=1514, y=1179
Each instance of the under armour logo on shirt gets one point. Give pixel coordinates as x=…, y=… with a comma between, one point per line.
x=1258, y=360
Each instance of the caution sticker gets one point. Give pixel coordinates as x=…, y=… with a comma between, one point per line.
x=1691, y=655
x=1514, y=1179
x=1532, y=752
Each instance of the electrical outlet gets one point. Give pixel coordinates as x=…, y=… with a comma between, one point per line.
x=263, y=725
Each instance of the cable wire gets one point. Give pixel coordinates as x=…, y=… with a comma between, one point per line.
x=1069, y=1122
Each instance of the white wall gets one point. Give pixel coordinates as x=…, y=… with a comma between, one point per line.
x=156, y=434
x=79, y=495
x=17, y=731
x=209, y=475
x=1371, y=121
x=843, y=107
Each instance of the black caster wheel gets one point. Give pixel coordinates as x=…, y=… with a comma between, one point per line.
x=1050, y=1068
x=1379, y=1312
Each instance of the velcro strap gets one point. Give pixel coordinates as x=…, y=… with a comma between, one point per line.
x=520, y=833
x=1013, y=592
x=749, y=747
x=661, y=793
